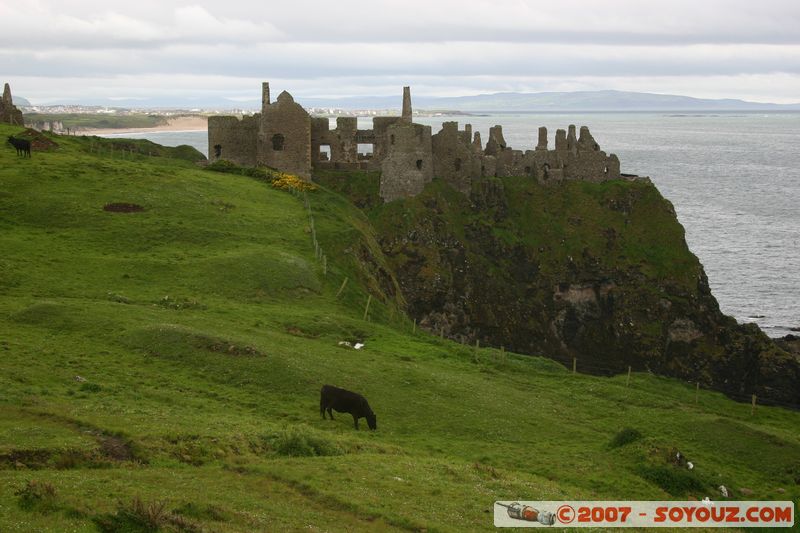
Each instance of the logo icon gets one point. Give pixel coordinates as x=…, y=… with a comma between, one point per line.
x=518, y=511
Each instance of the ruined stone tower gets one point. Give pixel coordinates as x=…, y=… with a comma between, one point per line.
x=406, y=114
x=408, y=164
x=284, y=136
x=9, y=114
x=264, y=96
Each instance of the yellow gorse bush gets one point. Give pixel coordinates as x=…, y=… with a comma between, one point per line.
x=287, y=182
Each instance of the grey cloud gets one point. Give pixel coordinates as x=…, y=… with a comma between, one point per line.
x=149, y=24
x=314, y=61
x=483, y=44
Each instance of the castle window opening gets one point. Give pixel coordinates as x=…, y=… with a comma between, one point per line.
x=365, y=150
x=324, y=152
x=527, y=170
x=391, y=138
x=217, y=150
x=277, y=142
x=457, y=164
x=419, y=164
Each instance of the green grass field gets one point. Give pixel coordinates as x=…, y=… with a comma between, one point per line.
x=162, y=369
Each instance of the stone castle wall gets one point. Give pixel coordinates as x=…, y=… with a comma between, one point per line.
x=285, y=137
x=234, y=140
x=408, y=165
x=455, y=158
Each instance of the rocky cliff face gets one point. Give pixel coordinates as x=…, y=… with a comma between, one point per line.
x=596, y=271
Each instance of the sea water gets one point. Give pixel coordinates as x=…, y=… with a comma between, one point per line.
x=734, y=179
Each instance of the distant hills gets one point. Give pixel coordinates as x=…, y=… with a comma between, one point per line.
x=556, y=101
x=507, y=101
x=601, y=101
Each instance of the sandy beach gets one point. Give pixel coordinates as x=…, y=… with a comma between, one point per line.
x=190, y=123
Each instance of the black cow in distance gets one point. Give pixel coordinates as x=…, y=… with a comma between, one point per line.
x=23, y=146
x=345, y=401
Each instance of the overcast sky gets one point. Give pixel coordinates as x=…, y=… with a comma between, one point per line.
x=55, y=50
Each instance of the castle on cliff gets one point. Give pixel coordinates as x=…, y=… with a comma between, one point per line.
x=285, y=137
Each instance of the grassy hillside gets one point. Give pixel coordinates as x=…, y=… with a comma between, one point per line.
x=164, y=365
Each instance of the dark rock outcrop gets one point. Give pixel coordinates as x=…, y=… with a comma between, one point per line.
x=600, y=272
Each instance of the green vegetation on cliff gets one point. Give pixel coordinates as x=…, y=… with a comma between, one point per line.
x=595, y=271
x=91, y=120
x=162, y=368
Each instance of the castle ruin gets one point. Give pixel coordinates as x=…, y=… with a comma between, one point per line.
x=9, y=114
x=285, y=137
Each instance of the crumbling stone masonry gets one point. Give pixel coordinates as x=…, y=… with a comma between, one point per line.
x=9, y=114
x=278, y=137
x=285, y=137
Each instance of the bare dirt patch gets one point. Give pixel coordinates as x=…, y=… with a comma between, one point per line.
x=39, y=142
x=115, y=448
x=122, y=207
x=221, y=346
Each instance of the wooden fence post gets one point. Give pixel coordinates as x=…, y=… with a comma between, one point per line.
x=697, y=392
x=366, y=308
x=342, y=287
x=753, y=406
x=414, y=329
x=574, y=365
x=628, y=381
x=502, y=354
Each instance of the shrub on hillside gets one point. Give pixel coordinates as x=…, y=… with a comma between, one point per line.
x=139, y=516
x=279, y=180
x=301, y=441
x=37, y=496
x=625, y=436
x=228, y=167
x=673, y=480
x=289, y=182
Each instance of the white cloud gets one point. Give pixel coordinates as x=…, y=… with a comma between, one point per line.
x=445, y=47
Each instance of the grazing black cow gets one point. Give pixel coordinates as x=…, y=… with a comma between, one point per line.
x=23, y=146
x=344, y=401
